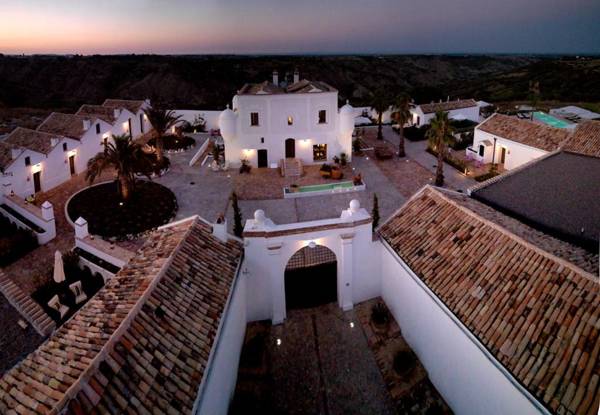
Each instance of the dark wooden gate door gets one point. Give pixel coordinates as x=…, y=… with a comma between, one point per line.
x=263, y=160
x=72, y=165
x=290, y=148
x=37, y=185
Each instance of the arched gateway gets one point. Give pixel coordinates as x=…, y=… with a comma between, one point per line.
x=341, y=249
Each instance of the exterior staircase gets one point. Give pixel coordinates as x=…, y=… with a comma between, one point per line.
x=291, y=167
x=29, y=309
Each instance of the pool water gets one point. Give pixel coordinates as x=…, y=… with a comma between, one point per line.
x=550, y=120
x=328, y=186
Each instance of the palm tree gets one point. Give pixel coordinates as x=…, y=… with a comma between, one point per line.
x=161, y=120
x=127, y=158
x=439, y=135
x=401, y=114
x=380, y=104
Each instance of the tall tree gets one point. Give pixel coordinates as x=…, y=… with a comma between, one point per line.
x=380, y=103
x=439, y=135
x=238, y=227
x=375, y=211
x=161, y=120
x=127, y=158
x=401, y=114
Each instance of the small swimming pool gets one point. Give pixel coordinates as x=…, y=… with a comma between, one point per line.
x=550, y=120
x=320, y=189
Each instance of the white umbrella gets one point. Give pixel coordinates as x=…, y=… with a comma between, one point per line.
x=59, y=269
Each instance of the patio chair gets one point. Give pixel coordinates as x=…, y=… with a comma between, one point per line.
x=55, y=304
x=78, y=292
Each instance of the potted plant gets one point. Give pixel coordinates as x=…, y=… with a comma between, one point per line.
x=245, y=167
x=336, y=159
x=325, y=170
x=294, y=188
x=343, y=159
x=380, y=316
x=357, y=180
x=404, y=362
x=336, y=173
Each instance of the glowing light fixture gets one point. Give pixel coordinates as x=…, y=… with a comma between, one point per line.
x=37, y=167
x=278, y=342
x=352, y=324
x=312, y=244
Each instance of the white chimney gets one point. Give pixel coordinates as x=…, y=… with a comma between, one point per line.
x=220, y=229
x=86, y=124
x=296, y=76
x=275, y=78
x=117, y=112
x=81, y=228
x=448, y=99
x=53, y=141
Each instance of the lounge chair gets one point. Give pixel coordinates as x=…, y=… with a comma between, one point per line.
x=80, y=296
x=55, y=304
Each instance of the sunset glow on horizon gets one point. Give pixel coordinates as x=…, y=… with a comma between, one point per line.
x=269, y=26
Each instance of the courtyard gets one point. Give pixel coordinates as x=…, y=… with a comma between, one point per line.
x=323, y=360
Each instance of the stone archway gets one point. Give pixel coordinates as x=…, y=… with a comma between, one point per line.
x=311, y=277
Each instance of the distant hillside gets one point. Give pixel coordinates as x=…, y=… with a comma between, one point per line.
x=210, y=81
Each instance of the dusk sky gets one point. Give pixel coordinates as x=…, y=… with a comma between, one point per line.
x=302, y=26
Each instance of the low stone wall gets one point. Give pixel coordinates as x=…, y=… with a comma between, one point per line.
x=40, y=220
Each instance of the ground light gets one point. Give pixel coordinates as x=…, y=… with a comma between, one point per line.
x=278, y=342
x=352, y=324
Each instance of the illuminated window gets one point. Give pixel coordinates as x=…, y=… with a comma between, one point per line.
x=322, y=117
x=254, y=119
x=290, y=120
x=320, y=152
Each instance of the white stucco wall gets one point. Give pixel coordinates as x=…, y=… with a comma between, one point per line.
x=273, y=128
x=460, y=370
x=221, y=377
x=470, y=113
x=516, y=153
x=267, y=258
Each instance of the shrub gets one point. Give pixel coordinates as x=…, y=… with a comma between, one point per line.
x=356, y=146
x=380, y=314
x=416, y=133
x=456, y=163
x=404, y=362
x=14, y=242
x=375, y=212
x=326, y=167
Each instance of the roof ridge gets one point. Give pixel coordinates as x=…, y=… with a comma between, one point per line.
x=119, y=331
x=508, y=173
x=517, y=238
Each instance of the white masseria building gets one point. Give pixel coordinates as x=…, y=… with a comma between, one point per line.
x=33, y=161
x=460, y=109
x=269, y=122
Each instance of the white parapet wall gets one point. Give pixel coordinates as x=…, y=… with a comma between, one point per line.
x=40, y=220
x=220, y=377
x=462, y=370
x=210, y=116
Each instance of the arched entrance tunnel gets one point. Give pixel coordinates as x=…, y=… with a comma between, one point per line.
x=311, y=278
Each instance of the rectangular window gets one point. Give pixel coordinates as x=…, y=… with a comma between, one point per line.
x=290, y=120
x=64, y=146
x=254, y=119
x=322, y=117
x=97, y=128
x=262, y=140
x=481, y=150
x=27, y=161
x=320, y=152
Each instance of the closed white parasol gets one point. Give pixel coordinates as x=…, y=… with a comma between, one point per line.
x=59, y=269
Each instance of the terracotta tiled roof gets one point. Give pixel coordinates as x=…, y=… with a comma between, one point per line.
x=97, y=111
x=586, y=139
x=141, y=344
x=301, y=87
x=32, y=139
x=447, y=106
x=588, y=261
x=68, y=125
x=525, y=132
x=305, y=86
x=537, y=314
x=129, y=104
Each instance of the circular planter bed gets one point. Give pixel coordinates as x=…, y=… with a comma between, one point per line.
x=174, y=144
x=151, y=205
